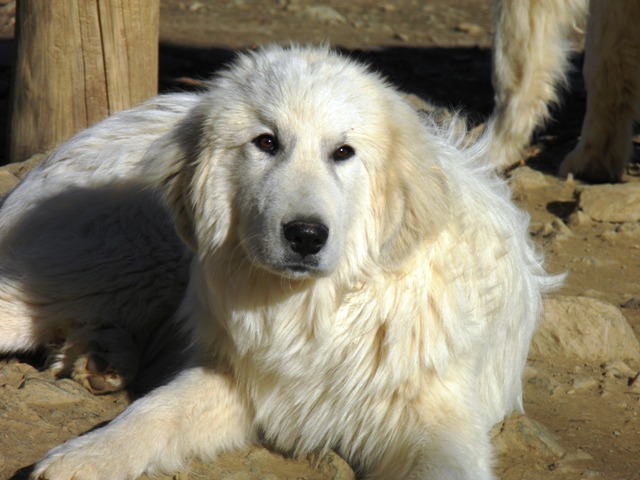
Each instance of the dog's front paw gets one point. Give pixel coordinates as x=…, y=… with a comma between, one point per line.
x=86, y=458
x=65, y=467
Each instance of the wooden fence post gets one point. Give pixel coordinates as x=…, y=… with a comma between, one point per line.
x=78, y=61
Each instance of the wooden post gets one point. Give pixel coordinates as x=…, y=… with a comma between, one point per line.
x=78, y=61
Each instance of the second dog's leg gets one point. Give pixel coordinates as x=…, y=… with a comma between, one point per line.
x=612, y=78
x=531, y=45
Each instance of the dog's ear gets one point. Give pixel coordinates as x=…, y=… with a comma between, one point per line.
x=196, y=189
x=415, y=198
x=171, y=159
x=186, y=158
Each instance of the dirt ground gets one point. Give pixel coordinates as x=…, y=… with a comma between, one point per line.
x=439, y=50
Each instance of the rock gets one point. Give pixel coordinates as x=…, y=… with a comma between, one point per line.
x=555, y=229
x=332, y=466
x=13, y=411
x=617, y=377
x=20, y=169
x=583, y=382
x=618, y=369
x=590, y=474
x=36, y=392
x=629, y=230
x=470, y=28
x=260, y=463
x=611, y=203
x=325, y=14
x=561, y=228
x=568, y=463
x=7, y=181
x=633, y=302
x=584, y=328
x=579, y=218
x=196, y=6
x=592, y=292
x=589, y=261
x=609, y=236
x=11, y=174
x=543, y=381
x=525, y=178
x=634, y=383
x=621, y=231
x=519, y=432
x=403, y=37
x=14, y=373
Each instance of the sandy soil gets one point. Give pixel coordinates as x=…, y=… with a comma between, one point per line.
x=437, y=50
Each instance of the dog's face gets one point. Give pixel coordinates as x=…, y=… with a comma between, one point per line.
x=298, y=188
x=294, y=163
x=298, y=171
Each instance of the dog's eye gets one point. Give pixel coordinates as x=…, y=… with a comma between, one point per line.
x=343, y=153
x=267, y=143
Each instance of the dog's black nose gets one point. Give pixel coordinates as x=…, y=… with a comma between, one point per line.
x=306, y=238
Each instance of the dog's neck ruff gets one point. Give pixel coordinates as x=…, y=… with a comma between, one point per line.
x=282, y=330
x=279, y=330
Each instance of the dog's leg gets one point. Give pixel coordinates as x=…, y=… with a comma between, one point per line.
x=530, y=50
x=454, y=454
x=200, y=413
x=454, y=457
x=612, y=78
x=444, y=438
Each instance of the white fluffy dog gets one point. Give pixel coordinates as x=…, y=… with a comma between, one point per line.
x=359, y=280
x=531, y=46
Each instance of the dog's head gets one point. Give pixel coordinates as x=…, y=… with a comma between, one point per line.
x=305, y=161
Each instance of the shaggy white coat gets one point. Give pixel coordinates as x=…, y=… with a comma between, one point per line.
x=532, y=42
x=399, y=346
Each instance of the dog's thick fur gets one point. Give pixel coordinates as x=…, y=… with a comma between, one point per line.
x=399, y=342
x=533, y=39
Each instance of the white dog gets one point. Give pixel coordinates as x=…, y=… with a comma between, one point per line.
x=531, y=46
x=359, y=281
